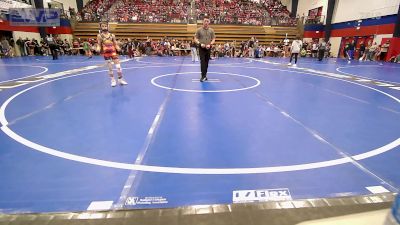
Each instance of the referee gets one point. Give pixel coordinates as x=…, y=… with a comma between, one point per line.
x=205, y=38
x=52, y=42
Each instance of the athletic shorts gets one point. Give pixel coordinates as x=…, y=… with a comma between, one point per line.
x=109, y=56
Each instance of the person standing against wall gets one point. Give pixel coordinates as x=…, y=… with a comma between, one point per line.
x=372, y=51
x=350, y=51
x=361, y=51
x=384, y=50
x=286, y=46
x=314, y=49
x=6, y=47
x=251, y=47
x=328, y=50
x=205, y=38
x=21, y=46
x=366, y=53
x=193, y=50
x=321, y=50
x=53, y=46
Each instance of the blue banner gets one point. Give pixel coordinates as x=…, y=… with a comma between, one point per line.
x=35, y=17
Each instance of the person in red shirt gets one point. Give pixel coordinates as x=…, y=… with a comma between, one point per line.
x=107, y=44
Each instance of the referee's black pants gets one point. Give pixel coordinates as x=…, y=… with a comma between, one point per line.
x=204, y=59
x=321, y=53
x=53, y=49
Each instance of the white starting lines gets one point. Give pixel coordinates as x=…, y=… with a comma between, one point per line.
x=33, y=79
x=208, y=80
x=154, y=82
x=24, y=81
x=68, y=72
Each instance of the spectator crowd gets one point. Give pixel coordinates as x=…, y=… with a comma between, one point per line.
x=168, y=46
x=248, y=12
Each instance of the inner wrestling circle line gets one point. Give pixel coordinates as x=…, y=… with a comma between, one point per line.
x=355, y=75
x=192, y=64
x=50, y=61
x=36, y=74
x=153, y=81
x=180, y=170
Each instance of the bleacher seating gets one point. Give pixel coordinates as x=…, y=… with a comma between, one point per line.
x=224, y=33
x=232, y=20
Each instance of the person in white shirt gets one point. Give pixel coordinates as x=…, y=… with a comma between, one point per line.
x=314, y=49
x=286, y=46
x=193, y=51
x=295, y=50
x=384, y=50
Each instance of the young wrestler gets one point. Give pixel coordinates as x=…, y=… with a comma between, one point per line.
x=109, y=47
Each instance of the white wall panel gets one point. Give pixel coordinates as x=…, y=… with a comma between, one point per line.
x=350, y=10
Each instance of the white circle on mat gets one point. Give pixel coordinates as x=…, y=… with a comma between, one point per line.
x=153, y=81
x=182, y=170
x=45, y=69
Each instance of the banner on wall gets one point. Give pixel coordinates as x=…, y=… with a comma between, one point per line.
x=35, y=17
